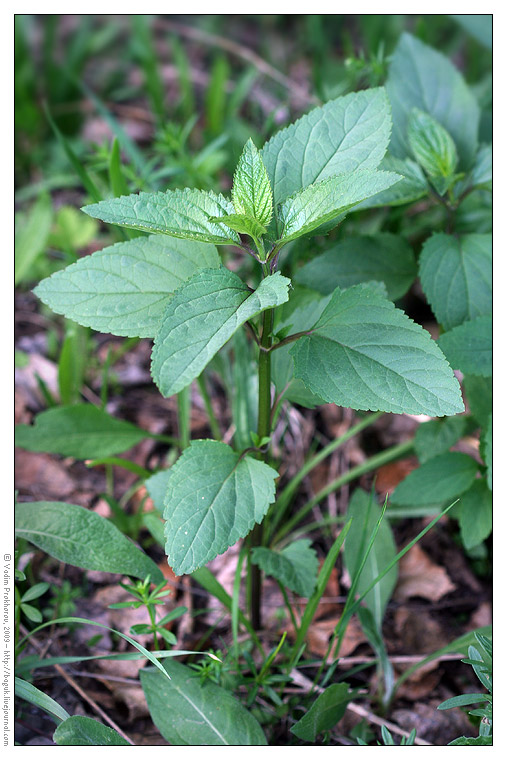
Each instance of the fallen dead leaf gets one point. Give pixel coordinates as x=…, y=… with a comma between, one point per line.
x=320, y=632
x=391, y=475
x=41, y=476
x=420, y=576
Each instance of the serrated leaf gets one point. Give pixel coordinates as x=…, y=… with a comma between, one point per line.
x=344, y=135
x=323, y=201
x=188, y=712
x=244, y=225
x=479, y=395
x=82, y=538
x=179, y=213
x=156, y=486
x=432, y=146
x=364, y=353
x=251, y=191
x=469, y=347
x=471, y=741
x=214, y=497
x=384, y=257
x=204, y=313
x=437, y=436
x=324, y=714
x=78, y=730
x=421, y=77
x=456, y=276
x=412, y=185
x=124, y=289
x=441, y=478
x=81, y=430
x=364, y=511
x=476, y=514
x=482, y=171
x=296, y=566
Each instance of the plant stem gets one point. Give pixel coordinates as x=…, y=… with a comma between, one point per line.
x=263, y=430
x=212, y=420
x=395, y=452
x=184, y=417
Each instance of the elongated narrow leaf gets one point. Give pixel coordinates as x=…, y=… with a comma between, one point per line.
x=124, y=289
x=469, y=347
x=421, y=77
x=82, y=538
x=432, y=146
x=80, y=731
x=251, y=191
x=441, y=478
x=457, y=277
x=296, y=566
x=324, y=714
x=386, y=258
x=346, y=134
x=188, y=712
x=179, y=213
x=30, y=693
x=476, y=514
x=364, y=353
x=437, y=436
x=214, y=497
x=364, y=511
x=323, y=201
x=205, y=312
x=81, y=430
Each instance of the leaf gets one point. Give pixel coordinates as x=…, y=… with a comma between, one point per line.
x=437, y=436
x=476, y=514
x=488, y=451
x=412, y=185
x=469, y=347
x=478, y=25
x=188, y=712
x=472, y=741
x=324, y=714
x=323, y=201
x=462, y=700
x=364, y=511
x=479, y=395
x=344, y=135
x=456, y=276
x=364, y=353
x=124, y=289
x=180, y=213
x=71, y=231
x=79, y=730
x=295, y=567
x=251, y=191
x=384, y=257
x=421, y=77
x=81, y=430
x=82, y=538
x=156, y=486
x=205, y=312
x=32, y=232
x=214, y=497
x=375, y=638
x=30, y=693
x=244, y=224
x=441, y=478
x=482, y=171
x=432, y=147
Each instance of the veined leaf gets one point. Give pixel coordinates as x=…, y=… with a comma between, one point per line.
x=81, y=430
x=82, y=538
x=436, y=436
x=30, y=693
x=479, y=394
x=324, y=714
x=384, y=257
x=296, y=566
x=364, y=510
x=214, y=497
x=188, y=712
x=482, y=171
x=204, y=313
x=432, y=147
x=180, y=213
x=156, y=486
x=420, y=77
x=364, y=353
x=244, y=224
x=441, y=478
x=344, y=135
x=476, y=514
x=251, y=191
x=456, y=276
x=124, y=289
x=412, y=185
x=78, y=730
x=468, y=347
x=323, y=201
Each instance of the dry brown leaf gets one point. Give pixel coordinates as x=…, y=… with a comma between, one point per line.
x=319, y=634
x=41, y=476
x=420, y=576
x=391, y=475
x=419, y=633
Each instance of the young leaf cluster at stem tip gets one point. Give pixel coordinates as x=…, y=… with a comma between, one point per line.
x=351, y=346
